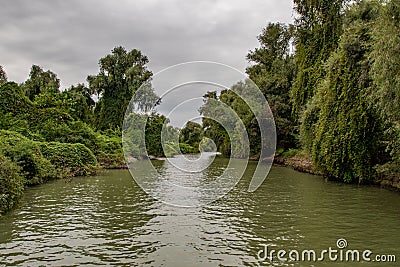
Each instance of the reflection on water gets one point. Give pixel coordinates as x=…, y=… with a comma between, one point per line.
x=109, y=220
x=188, y=180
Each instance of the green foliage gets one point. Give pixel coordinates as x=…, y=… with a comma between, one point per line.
x=154, y=129
x=213, y=129
x=121, y=74
x=290, y=153
x=79, y=132
x=233, y=100
x=207, y=145
x=385, y=70
x=69, y=159
x=231, y=110
x=345, y=133
x=27, y=155
x=191, y=135
x=13, y=100
x=41, y=161
x=274, y=72
x=80, y=103
x=114, y=160
x=188, y=149
x=318, y=29
x=134, y=140
x=11, y=184
x=40, y=81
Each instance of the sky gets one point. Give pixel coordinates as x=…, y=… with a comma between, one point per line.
x=70, y=36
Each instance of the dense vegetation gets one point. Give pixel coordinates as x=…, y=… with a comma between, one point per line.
x=332, y=81
x=46, y=133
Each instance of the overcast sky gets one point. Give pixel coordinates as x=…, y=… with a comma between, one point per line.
x=70, y=36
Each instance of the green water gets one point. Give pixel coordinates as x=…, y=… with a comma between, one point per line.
x=108, y=220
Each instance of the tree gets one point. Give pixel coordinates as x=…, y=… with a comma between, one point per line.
x=13, y=100
x=345, y=139
x=318, y=29
x=274, y=72
x=385, y=70
x=81, y=104
x=212, y=129
x=191, y=134
x=40, y=81
x=154, y=128
x=3, y=76
x=121, y=74
x=228, y=121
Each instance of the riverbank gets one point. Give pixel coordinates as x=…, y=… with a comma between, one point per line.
x=297, y=163
x=389, y=180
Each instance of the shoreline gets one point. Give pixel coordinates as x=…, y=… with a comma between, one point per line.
x=304, y=165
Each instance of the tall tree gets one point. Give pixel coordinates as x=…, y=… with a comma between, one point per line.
x=212, y=129
x=318, y=29
x=81, y=104
x=40, y=81
x=191, y=134
x=345, y=138
x=273, y=71
x=121, y=74
x=385, y=70
x=3, y=76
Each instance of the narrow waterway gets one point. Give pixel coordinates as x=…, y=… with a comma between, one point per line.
x=108, y=220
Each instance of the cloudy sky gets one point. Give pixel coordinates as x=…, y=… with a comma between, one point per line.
x=70, y=36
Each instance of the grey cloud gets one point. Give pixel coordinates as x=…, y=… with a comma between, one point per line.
x=69, y=37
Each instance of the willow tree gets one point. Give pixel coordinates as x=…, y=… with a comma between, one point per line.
x=346, y=137
x=318, y=29
x=121, y=74
x=385, y=57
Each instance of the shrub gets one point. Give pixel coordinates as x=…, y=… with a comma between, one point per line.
x=27, y=155
x=112, y=161
x=11, y=184
x=188, y=149
x=290, y=153
x=69, y=159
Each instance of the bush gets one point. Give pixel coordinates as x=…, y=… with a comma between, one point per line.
x=290, y=153
x=80, y=132
x=27, y=155
x=11, y=184
x=112, y=161
x=41, y=161
x=69, y=159
x=187, y=149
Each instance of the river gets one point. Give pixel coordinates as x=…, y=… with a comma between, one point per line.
x=108, y=220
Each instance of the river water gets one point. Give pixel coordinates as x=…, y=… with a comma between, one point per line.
x=108, y=220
